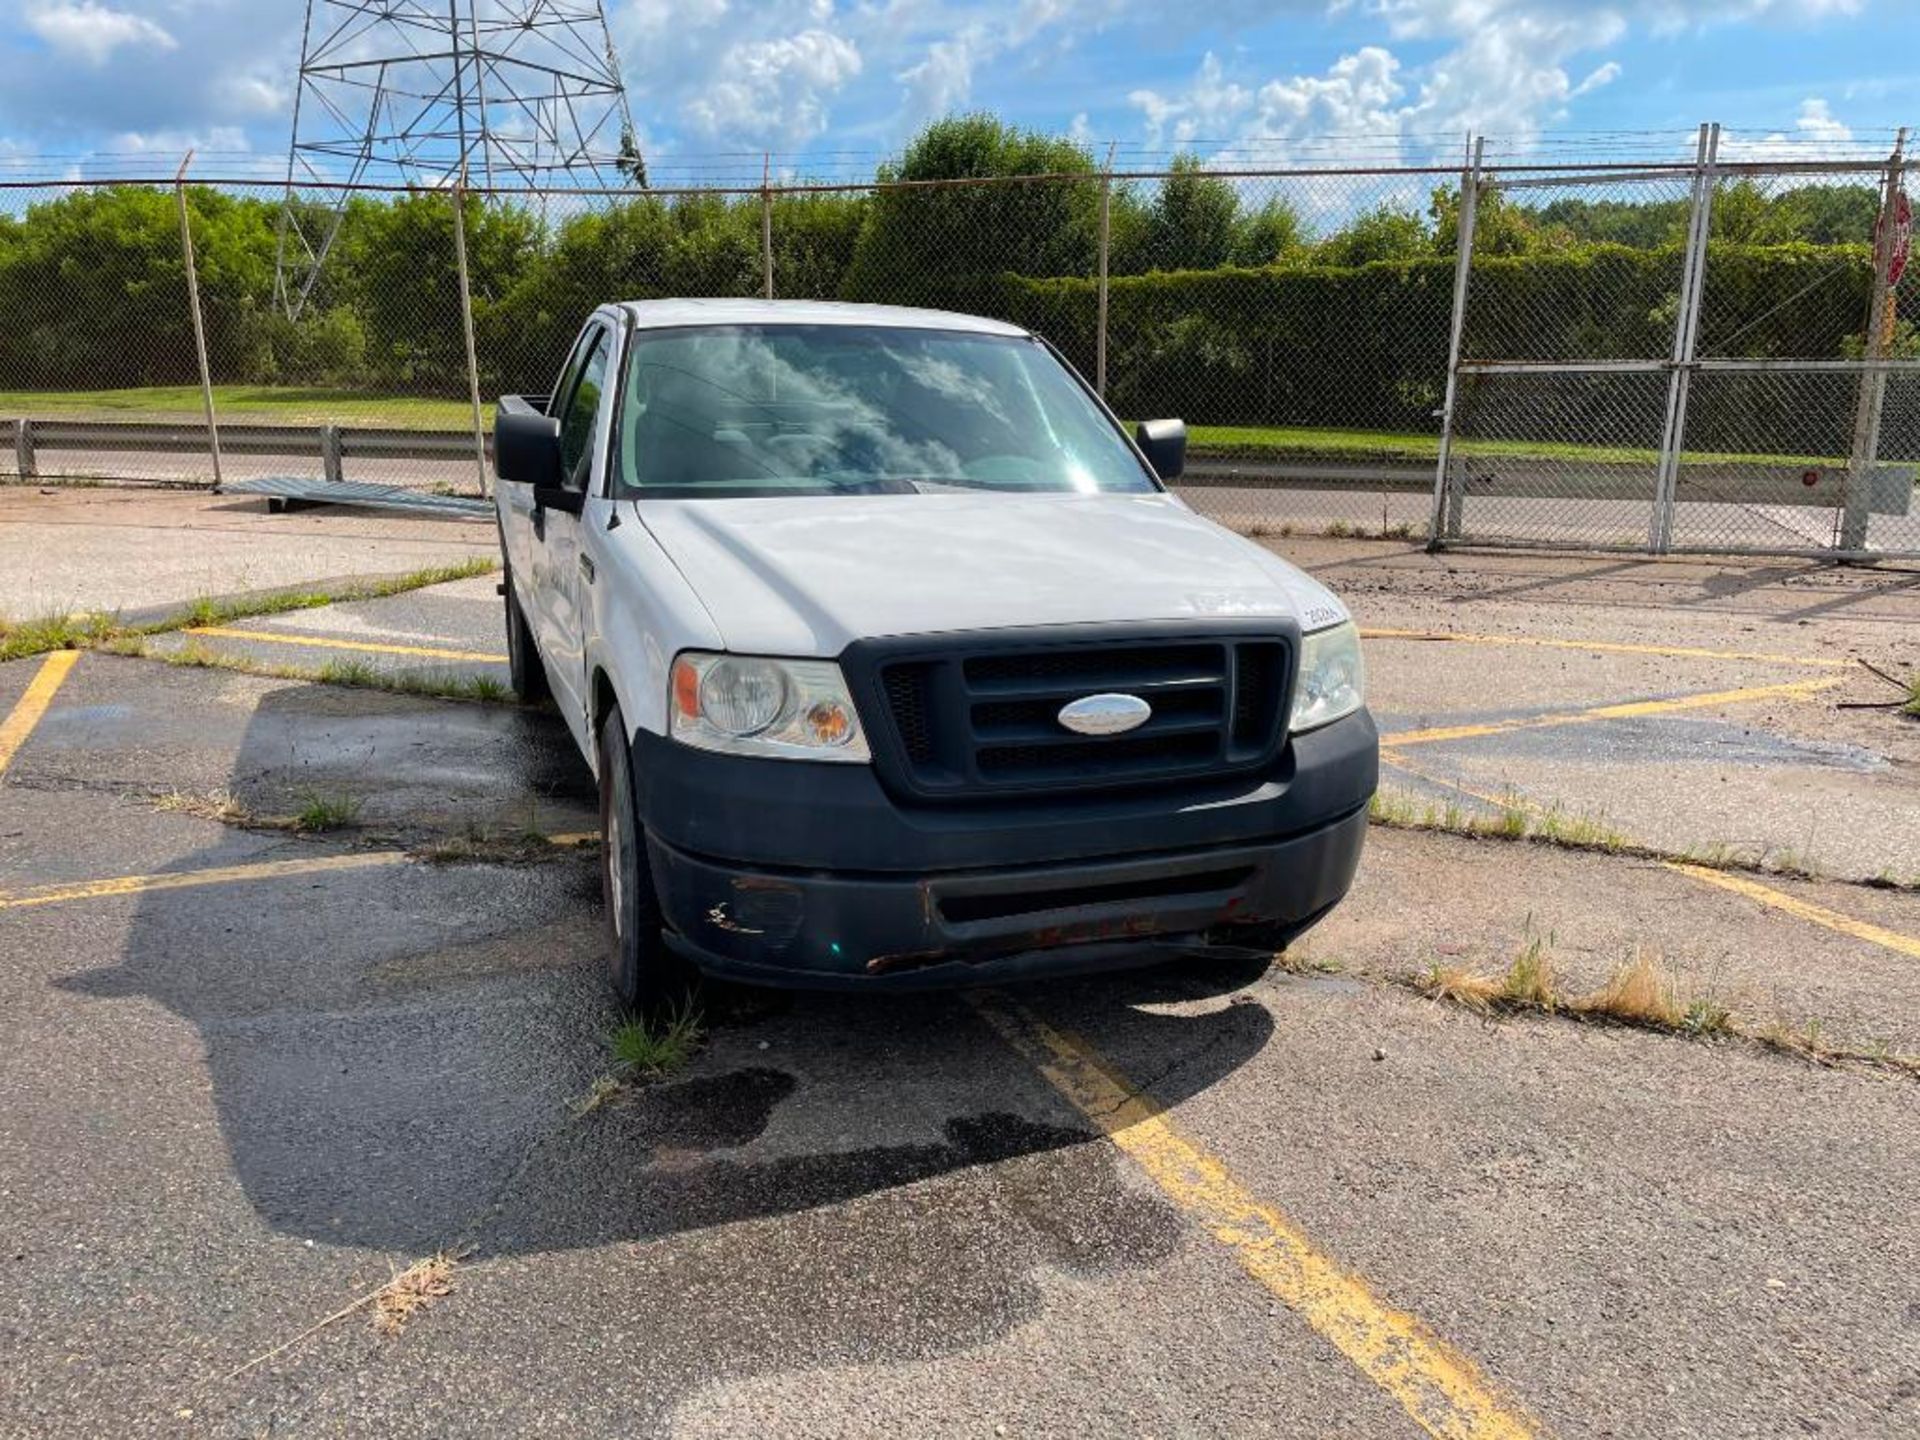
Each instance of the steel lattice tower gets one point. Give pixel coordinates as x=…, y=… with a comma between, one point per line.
x=512, y=93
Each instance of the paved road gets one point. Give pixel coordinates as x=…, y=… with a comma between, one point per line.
x=250, y=1075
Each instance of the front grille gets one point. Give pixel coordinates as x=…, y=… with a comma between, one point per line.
x=980, y=719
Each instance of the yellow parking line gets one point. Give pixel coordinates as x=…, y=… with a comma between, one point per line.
x=1794, y=690
x=33, y=704
x=1802, y=909
x=1441, y=1389
x=1610, y=647
x=220, y=875
x=275, y=637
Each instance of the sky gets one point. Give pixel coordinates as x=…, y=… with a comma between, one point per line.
x=830, y=86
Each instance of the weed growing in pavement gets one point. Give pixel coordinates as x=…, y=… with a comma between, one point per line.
x=1529, y=980
x=412, y=1290
x=1645, y=994
x=657, y=1046
x=55, y=630
x=101, y=631
x=319, y=812
x=483, y=689
x=1912, y=707
x=217, y=805
x=1640, y=992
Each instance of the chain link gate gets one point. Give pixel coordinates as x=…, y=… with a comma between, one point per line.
x=1702, y=389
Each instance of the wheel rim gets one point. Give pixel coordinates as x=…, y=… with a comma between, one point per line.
x=617, y=867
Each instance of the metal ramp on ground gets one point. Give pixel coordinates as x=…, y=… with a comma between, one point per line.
x=280, y=490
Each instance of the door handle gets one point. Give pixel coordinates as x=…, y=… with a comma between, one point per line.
x=586, y=567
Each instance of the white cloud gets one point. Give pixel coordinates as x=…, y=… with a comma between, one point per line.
x=91, y=32
x=769, y=90
x=942, y=82
x=1816, y=130
x=1602, y=75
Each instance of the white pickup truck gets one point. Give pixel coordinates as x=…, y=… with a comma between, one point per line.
x=899, y=666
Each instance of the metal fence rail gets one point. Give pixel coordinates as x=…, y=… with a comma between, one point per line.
x=1618, y=356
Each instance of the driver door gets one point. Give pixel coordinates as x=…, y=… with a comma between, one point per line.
x=558, y=617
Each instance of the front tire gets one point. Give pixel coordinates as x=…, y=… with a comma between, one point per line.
x=524, y=671
x=646, y=976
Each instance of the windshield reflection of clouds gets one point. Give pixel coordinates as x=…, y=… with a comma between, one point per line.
x=817, y=409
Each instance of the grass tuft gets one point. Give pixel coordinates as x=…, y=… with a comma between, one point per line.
x=1461, y=986
x=1530, y=979
x=412, y=1290
x=206, y=805
x=319, y=812
x=658, y=1046
x=54, y=630
x=1640, y=993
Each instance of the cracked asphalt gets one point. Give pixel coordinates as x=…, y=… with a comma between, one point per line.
x=247, y=1090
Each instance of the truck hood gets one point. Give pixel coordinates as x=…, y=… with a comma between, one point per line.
x=809, y=575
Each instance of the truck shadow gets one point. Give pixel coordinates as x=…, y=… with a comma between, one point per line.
x=398, y=1057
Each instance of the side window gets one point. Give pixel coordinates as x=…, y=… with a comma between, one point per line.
x=579, y=422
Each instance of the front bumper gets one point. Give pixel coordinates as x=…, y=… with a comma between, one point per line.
x=790, y=873
x=982, y=927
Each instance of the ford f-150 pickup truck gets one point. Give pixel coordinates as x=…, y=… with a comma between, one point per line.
x=898, y=665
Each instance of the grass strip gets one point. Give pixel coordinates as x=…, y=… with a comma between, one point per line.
x=59, y=630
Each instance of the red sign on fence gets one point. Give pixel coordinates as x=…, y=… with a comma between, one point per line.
x=1902, y=238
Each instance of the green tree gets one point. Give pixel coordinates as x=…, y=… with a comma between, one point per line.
x=1190, y=225
x=1383, y=233
x=1267, y=236
x=406, y=287
x=942, y=245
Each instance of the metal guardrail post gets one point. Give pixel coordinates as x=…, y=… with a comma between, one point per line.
x=1444, y=523
x=1106, y=246
x=1858, y=497
x=23, y=456
x=1686, y=338
x=331, y=465
x=199, y=326
x=466, y=325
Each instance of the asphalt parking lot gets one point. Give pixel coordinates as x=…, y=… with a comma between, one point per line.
x=252, y=1074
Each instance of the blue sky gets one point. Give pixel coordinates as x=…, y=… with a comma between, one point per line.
x=832, y=84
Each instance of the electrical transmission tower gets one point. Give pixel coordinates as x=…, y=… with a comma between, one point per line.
x=511, y=93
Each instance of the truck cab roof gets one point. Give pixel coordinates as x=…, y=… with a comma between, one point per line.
x=659, y=314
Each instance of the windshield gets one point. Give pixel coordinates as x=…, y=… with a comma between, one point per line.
x=838, y=409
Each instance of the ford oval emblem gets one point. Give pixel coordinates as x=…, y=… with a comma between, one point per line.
x=1105, y=714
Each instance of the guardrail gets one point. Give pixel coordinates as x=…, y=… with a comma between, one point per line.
x=332, y=445
x=1520, y=477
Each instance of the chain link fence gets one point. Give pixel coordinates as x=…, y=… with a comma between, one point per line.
x=1639, y=356
x=1701, y=357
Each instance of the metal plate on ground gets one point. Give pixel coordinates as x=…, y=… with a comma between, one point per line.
x=349, y=492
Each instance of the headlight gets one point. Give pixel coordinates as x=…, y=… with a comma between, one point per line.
x=1333, y=680
x=745, y=705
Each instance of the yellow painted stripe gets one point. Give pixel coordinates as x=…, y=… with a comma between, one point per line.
x=1802, y=909
x=321, y=642
x=222, y=875
x=1610, y=647
x=1440, y=1388
x=1794, y=690
x=33, y=704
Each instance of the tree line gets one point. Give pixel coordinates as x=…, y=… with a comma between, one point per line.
x=94, y=288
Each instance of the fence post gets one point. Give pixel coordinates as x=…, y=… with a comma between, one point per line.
x=466, y=325
x=1686, y=338
x=199, y=326
x=1873, y=382
x=1445, y=521
x=332, y=455
x=1106, y=237
x=766, y=225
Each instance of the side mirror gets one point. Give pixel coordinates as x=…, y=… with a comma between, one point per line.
x=1164, y=443
x=526, y=445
